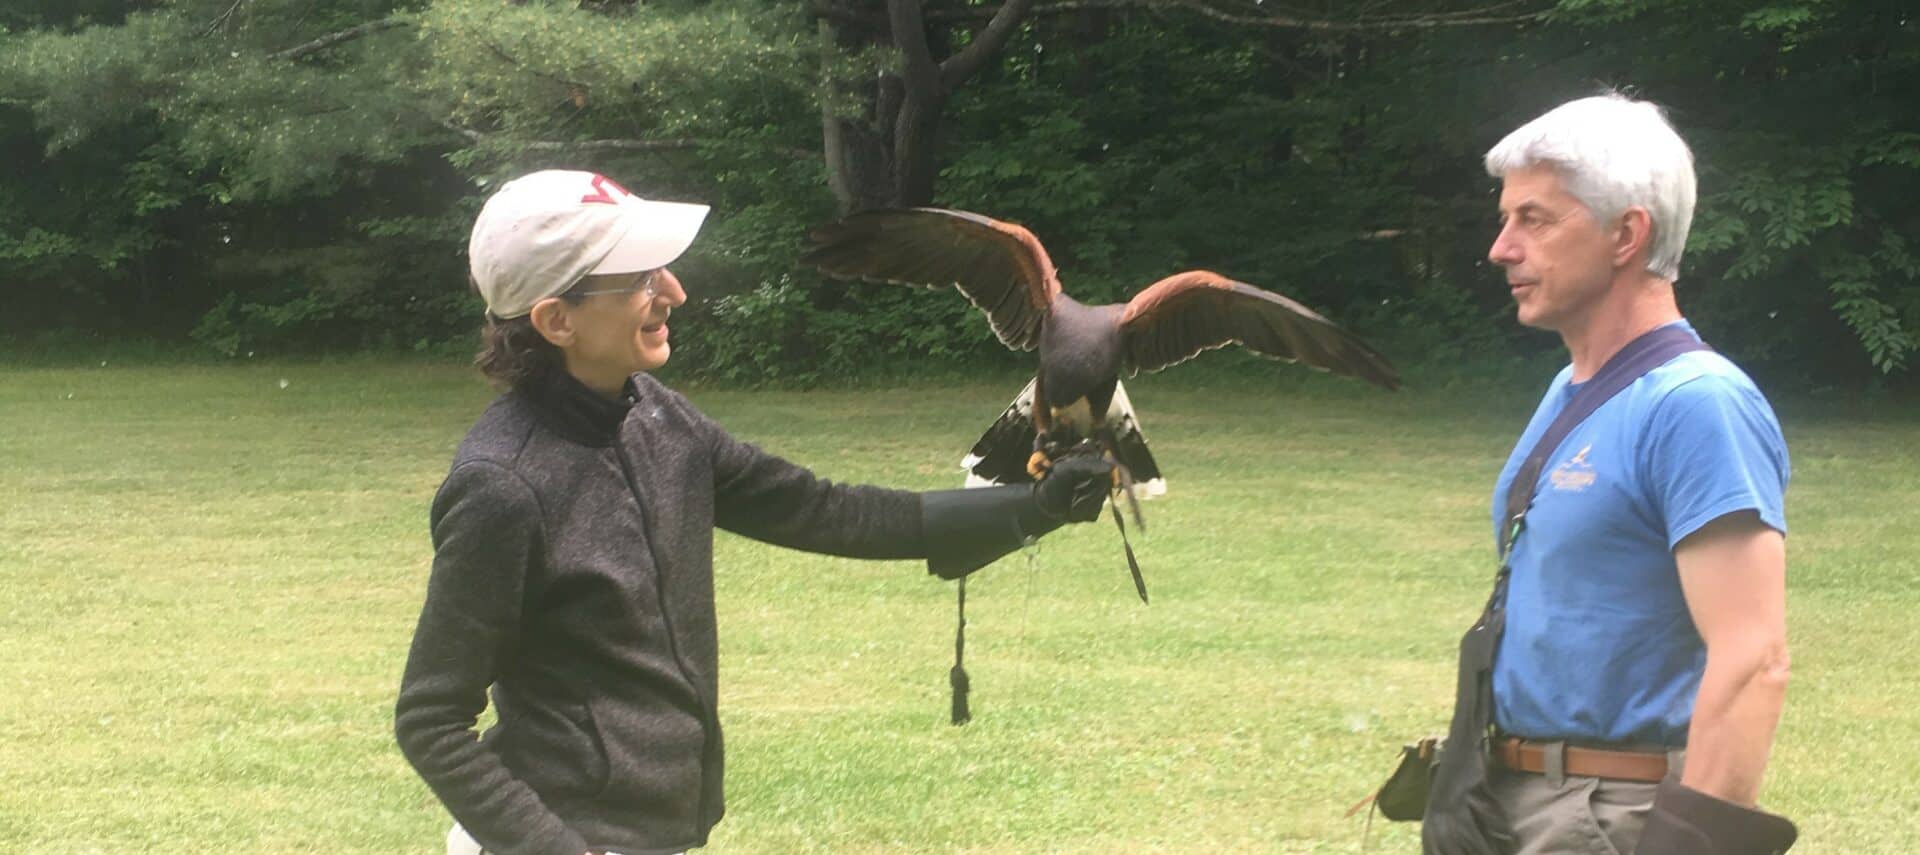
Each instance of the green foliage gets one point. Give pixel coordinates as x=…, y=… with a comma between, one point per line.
x=1855, y=280
x=1441, y=335
x=22, y=15
x=183, y=153
x=36, y=246
x=311, y=298
x=170, y=167
x=789, y=333
x=752, y=337
x=1802, y=184
x=1785, y=17
x=542, y=67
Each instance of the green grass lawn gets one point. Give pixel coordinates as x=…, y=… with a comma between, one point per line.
x=211, y=577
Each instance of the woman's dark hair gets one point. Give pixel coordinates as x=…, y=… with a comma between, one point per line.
x=512, y=352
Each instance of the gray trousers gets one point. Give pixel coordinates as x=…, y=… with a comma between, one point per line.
x=1559, y=814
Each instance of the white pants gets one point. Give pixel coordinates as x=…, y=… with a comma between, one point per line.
x=459, y=842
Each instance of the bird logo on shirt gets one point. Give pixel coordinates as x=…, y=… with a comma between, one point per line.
x=1575, y=475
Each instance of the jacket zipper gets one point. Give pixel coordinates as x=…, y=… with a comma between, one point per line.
x=709, y=719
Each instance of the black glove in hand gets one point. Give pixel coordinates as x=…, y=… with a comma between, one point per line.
x=1075, y=488
x=1685, y=821
x=965, y=530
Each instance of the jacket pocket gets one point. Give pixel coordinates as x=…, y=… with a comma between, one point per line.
x=556, y=749
x=654, y=754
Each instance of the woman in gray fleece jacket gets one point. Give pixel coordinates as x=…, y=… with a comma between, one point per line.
x=573, y=541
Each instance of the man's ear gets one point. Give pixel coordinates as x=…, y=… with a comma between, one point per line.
x=552, y=320
x=1634, y=238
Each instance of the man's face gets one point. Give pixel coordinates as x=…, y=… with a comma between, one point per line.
x=1559, y=259
x=623, y=329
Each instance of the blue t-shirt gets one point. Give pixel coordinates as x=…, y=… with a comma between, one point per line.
x=1599, y=645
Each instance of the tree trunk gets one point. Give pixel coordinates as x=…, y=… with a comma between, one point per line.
x=858, y=155
x=915, y=146
x=885, y=153
x=878, y=133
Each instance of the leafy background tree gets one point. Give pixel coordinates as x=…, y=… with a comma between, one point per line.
x=279, y=176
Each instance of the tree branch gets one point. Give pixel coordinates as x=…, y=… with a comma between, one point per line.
x=986, y=44
x=681, y=144
x=1463, y=18
x=331, y=39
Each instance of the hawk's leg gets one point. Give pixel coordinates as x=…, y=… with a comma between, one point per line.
x=1040, y=462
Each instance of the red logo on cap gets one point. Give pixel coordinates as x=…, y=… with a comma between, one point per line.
x=601, y=195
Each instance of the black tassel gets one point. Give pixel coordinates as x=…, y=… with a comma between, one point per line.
x=958, y=676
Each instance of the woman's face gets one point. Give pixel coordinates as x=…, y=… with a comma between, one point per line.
x=620, y=327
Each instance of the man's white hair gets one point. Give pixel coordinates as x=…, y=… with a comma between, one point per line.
x=1613, y=152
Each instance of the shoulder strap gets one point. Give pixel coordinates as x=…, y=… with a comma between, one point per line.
x=1643, y=354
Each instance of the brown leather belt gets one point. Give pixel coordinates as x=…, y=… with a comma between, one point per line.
x=1525, y=756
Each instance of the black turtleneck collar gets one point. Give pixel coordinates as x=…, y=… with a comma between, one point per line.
x=576, y=412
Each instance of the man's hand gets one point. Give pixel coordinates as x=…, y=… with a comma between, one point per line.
x=1075, y=488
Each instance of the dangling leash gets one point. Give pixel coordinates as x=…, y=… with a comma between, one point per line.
x=957, y=677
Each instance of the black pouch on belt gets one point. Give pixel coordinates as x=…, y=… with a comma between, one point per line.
x=1403, y=798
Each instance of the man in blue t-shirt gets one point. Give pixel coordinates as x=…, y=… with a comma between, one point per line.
x=1643, y=666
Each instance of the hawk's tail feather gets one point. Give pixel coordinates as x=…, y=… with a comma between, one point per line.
x=1131, y=446
x=1000, y=456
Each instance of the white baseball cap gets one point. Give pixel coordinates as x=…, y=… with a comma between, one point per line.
x=540, y=233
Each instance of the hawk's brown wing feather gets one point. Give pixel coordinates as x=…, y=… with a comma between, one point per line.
x=1000, y=267
x=1176, y=318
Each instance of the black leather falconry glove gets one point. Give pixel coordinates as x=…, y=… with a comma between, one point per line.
x=1686, y=821
x=966, y=530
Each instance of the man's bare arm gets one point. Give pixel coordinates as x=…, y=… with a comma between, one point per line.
x=1733, y=573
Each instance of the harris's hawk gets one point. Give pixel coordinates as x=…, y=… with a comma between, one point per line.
x=1076, y=394
x=1003, y=270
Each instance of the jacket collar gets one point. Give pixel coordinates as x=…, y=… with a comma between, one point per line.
x=576, y=412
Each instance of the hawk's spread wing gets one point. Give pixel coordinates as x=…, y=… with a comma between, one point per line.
x=999, y=266
x=1176, y=318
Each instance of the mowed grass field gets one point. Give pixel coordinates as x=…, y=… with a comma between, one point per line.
x=210, y=578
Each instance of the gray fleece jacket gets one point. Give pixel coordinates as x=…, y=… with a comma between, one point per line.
x=573, y=574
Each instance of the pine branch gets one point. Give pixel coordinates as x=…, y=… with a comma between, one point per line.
x=331, y=39
x=222, y=19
